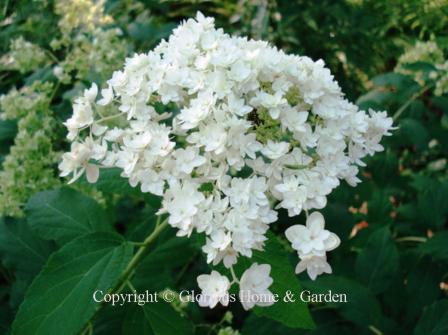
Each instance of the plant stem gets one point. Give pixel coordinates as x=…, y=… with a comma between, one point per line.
x=234, y=277
x=411, y=100
x=130, y=268
x=375, y=330
x=110, y=117
x=141, y=252
x=412, y=239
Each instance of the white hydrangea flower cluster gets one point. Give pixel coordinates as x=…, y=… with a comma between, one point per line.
x=249, y=130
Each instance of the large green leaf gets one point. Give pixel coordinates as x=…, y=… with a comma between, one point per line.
x=59, y=301
x=158, y=318
x=361, y=308
x=293, y=315
x=378, y=262
x=63, y=214
x=435, y=320
x=20, y=249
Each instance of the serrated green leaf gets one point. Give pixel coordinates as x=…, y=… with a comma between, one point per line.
x=59, y=301
x=20, y=249
x=434, y=320
x=64, y=214
x=378, y=262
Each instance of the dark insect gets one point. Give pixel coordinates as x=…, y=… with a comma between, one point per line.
x=253, y=116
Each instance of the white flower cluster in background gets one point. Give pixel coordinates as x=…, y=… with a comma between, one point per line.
x=245, y=130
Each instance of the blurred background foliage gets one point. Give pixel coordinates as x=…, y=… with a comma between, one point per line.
x=386, y=54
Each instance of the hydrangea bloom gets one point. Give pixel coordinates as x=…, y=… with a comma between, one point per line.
x=254, y=285
x=214, y=289
x=227, y=130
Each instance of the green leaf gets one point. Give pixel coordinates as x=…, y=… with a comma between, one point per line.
x=265, y=326
x=110, y=181
x=434, y=320
x=432, y=201
x=393, y=79
x=110, y=320
x=158, y=318
x=412, y=132
x=378, y=262
x=20, y=249
x=135, y=322
x=293, y=315
x=59, y=301
x=441, y=103
x=160, y=267
x=361, y=308
x=384, y=168
x=165, y=320
x=379, y=208
x=64, y=214
x=436, y=246
x=422, y=286
x=8, y=130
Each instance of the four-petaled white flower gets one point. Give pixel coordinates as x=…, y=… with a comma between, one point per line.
x=254, y=285
x=312, y=242
x=214, y=289
x=312, y=238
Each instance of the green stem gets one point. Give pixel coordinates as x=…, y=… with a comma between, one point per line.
x=141, y=252
x=130, y=268
x=128, y=282
x=55, y=89
x=375, y=330
x=411, y=100
x=412, y=239
x=52, y=56
x=110, y=117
